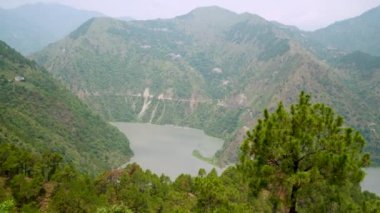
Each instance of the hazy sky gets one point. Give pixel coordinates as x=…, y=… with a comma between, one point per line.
x=306, y=14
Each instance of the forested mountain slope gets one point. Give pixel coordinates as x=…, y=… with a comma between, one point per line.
x=211, y=69
x=37, y=112
x=297, y=159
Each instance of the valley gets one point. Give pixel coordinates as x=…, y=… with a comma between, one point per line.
x=216, y=74
x=209, y=111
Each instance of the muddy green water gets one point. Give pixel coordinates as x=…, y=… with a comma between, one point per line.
x=168, y=149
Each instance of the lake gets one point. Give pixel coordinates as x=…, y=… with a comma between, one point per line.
x=371, y=181
x=169, y=149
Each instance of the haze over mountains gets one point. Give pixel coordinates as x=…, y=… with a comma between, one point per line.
x=31, y=27
x=356, y=34
x=212, y=69
x=211, y=65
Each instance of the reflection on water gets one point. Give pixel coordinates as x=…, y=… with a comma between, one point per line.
x=168, y=149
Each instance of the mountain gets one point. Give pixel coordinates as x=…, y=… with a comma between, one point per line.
x=38, y=113
x=31, y=27
x=210, y=69
x=125, y=18
x=356, y=34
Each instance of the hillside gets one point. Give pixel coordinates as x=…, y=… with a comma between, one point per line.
x=38, y=113
x=356, y=34
x=31, y=27
x=210, y=69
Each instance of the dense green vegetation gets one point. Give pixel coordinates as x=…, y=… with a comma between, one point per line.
x=302, y=160
x=302, y=153
x=361, y=74
x=31, y=27
x=37, y=113
x=210, y=69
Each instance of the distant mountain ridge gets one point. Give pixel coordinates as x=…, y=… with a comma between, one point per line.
x=31, y=27
x=38, y=113
x=355, y=34
x=211, y=69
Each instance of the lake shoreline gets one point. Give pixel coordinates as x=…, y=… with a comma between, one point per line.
x=169, y=149
x=192, y=154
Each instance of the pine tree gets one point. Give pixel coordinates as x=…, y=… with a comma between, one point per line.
x=304, y=158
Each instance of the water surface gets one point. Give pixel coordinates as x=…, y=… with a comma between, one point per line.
x=168, y=149
x=371, y=181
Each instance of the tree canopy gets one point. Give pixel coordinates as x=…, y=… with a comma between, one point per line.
x=305, y=158
x=302, y=160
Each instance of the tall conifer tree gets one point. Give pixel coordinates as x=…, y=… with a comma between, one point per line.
x=305, y=158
